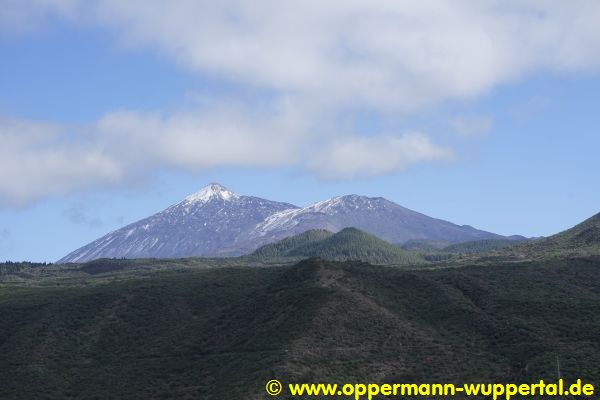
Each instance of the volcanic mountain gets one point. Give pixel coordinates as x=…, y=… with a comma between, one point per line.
x=218, y=222
x=211, y=222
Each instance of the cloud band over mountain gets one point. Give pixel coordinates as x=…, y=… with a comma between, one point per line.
x=314, y=60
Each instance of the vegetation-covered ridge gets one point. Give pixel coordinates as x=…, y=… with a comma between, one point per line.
x=581, y=240
x=438, y=251
x=347, y=244
x=481, y=246
x=283, y=247
x=222, y=332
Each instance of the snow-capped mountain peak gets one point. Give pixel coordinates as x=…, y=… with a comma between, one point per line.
x=209, y=192
x=337, y=204
x=323, y=210
x=217, y=222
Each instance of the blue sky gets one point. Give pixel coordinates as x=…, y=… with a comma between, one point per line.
x=110, y=111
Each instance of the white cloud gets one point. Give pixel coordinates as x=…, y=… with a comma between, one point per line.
x=39, y=160
x=359, y=156
x=206, y=138
x=36, y=162
x=390, y=54
x=317, y=59
x=471, y=126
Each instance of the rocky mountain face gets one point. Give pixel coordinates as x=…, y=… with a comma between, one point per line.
x=217, y=222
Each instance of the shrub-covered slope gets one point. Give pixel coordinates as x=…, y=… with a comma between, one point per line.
x=283, y=247
x=581, y=240
x=223, y=332
x=347, y=244
x=480, y=246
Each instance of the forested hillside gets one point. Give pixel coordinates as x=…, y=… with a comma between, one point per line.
x=214, y=333
x=347, y=244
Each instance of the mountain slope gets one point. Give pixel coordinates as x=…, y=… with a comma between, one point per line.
x=424, y=245
x=347, y=244
x=222, y=333
x=218, y=222
x=374, y=215
x=582, y=239
x=209, y=222
x=481, y=246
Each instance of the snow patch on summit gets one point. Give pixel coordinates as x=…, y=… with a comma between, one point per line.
x=288, y=219
x=279, y=220
x=213, y=190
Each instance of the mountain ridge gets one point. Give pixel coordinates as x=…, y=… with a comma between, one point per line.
x=581, y=239
x=220, y=333
x=215, y=221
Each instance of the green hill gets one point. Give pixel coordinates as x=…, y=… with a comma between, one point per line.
x=283, y=247
x=221, y=333
x=347, y=244
x=581, y=240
